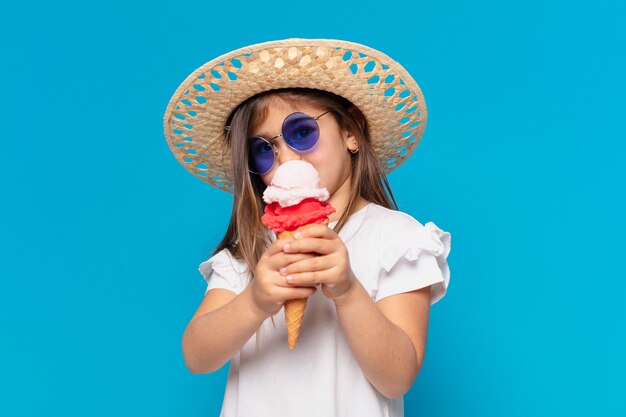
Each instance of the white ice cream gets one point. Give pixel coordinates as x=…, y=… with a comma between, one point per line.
x=293, y=182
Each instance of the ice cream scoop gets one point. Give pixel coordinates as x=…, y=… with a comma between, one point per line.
x=294, y=181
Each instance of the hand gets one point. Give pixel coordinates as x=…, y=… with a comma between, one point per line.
x=331, y=266
x=269, y=289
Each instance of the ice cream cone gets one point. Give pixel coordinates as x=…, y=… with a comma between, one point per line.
x=295, y=200
x=294, y=308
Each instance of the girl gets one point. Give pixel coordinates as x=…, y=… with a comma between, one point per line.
x=378, y=270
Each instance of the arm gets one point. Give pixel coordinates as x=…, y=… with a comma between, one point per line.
x=212, y=338
x=387, y=338
x=224, y=322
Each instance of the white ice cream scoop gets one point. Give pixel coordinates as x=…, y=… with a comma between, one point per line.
x=294, y=181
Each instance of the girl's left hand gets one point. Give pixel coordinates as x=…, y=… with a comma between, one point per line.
x=331, y=268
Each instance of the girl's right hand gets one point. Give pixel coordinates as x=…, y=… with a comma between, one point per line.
x=269, y=288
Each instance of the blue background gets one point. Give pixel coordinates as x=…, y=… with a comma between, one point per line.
x=102, y=231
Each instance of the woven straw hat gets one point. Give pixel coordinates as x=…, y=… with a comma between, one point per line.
x=383, y=90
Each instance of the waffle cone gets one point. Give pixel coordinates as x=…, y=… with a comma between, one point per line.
x=294, y=308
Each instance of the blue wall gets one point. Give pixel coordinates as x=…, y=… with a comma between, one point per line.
x=102, y=231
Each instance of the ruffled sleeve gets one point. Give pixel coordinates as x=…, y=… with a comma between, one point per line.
x=224, y=271
x=413, y=258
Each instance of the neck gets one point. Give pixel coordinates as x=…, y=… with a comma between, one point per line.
x=340, y=199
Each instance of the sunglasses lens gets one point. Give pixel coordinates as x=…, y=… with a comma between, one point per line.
x=260, y=156
x=300, y=131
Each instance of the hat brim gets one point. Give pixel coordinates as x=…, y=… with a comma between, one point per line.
x=384, y=91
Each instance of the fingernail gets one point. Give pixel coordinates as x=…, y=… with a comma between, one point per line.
x=286, y=247
x=297, y=235
x=289, y=278
x=283, y=271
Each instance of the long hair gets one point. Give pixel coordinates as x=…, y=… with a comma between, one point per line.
x=246, y=237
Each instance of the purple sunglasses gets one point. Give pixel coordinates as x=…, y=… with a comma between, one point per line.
x=300, y=132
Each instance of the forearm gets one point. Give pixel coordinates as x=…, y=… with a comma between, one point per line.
x=212, y=339
x=384, y=352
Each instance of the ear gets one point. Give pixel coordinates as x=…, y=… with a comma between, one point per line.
x=350, y=140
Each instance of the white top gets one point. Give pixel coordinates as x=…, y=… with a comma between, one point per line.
x=390, y=253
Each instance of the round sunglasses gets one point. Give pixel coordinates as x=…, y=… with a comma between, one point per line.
x=300, y=132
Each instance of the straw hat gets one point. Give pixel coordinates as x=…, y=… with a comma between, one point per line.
x=383, y=90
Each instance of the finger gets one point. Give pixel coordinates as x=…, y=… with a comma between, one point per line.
x=314, y=263
x=282, y=259
x=315, y=230
x=284, y=285
x=306, y=278
x=317, y=245
x=299, y=292
x=277, y=246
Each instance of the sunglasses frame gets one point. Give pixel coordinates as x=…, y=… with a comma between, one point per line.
x=272, y=143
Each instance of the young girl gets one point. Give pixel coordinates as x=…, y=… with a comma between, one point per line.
x=370, y=276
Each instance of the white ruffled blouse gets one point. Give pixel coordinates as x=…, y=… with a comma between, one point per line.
x=390, y=253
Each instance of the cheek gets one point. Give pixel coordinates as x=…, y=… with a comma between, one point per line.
x=327, y=153
x=333, y=170
x=332, y=162
x=267, y=178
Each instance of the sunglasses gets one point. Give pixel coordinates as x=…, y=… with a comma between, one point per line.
x=300, y=132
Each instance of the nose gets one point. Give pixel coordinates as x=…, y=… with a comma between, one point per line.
x=285, y=153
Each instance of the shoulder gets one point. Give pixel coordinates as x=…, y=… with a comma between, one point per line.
x=410, y=255
x=399, y=231
x=224, y=263
x=392, y=223
x=223, y=270
x=391, y=217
